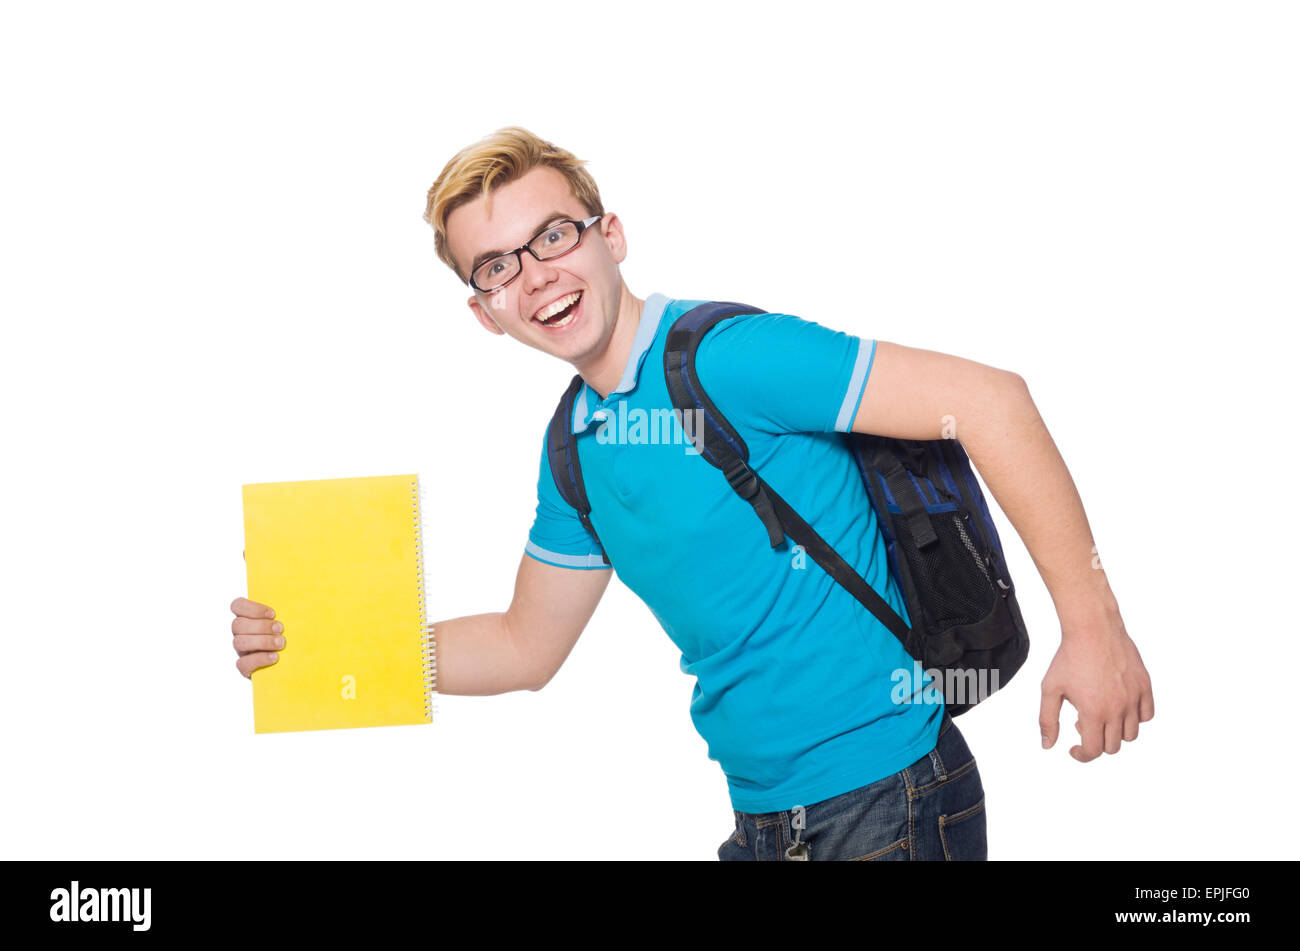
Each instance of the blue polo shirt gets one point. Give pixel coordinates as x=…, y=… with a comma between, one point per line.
x=796, y=683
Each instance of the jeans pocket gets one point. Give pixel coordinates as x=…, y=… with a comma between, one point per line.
x=897, y=852
x=868, y=824
x=948, y=796
x=964, y=834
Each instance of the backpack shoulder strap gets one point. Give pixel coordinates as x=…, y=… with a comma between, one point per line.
x=721, y=446
x=715, y=438
x=562, y=453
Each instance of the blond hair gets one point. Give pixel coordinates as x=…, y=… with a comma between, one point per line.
x=493, y=161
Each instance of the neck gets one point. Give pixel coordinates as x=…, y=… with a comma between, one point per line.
x=603, y=373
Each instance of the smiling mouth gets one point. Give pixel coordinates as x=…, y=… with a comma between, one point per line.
x=562, y=317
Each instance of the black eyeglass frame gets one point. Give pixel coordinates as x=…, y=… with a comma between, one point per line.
x=581, y=225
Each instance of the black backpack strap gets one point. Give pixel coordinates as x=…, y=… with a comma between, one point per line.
x=909, y=500
x=717, y=441
x=839, y=569
x=722, y=447
x=566, y=469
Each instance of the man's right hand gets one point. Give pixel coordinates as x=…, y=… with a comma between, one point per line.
x=257, y=635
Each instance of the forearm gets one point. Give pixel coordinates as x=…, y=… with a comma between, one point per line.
x=1009, y=444
x=478, y=656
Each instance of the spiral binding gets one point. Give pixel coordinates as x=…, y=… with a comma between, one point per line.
x=428, y=643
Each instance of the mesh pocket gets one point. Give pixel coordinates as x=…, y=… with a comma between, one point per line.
x=950, y=577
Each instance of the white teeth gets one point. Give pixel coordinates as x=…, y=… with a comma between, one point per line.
x=553, y=309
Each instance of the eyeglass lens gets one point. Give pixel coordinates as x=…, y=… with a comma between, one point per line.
x=549, y=244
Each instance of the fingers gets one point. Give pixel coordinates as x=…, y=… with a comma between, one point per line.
x=245, y=625
x=1146, y=705
x=246, y=608
x=1092, y=733
x=1113, y=733
x=1131, y=724
x=246, y=643
x=1049, y=716
x=256, y=634
x=257, y=638
x=1146, y=700
x=1100, y=734
x=251, y=662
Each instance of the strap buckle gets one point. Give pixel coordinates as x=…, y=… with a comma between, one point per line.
x=741, y=478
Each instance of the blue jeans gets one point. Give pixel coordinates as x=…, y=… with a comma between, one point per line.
x=931, y=811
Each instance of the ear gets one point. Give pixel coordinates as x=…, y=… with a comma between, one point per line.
x=486, y=319
x=611, y=228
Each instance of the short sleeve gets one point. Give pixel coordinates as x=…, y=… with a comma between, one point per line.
x=780, y=374
x=558, y=536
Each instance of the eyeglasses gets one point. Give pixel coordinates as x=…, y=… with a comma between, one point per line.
x=560, y=237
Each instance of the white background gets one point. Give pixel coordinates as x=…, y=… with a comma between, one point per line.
x=215, y=272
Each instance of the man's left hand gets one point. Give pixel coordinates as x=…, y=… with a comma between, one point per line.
x=1099, y=670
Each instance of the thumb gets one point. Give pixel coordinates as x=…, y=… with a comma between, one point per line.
x=1049, y=715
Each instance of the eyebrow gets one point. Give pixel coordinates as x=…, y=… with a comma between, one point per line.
x=488, y=255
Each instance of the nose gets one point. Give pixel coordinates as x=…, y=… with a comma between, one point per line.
x=535, y=274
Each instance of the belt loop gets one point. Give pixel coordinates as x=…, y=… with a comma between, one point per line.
x=940, y=773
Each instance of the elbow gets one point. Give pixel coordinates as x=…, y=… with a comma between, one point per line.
x=1005, y=385
x=540, y=680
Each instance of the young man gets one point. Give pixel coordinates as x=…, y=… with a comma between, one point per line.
x=795, y=694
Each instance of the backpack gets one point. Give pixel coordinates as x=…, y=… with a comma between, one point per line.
x=943, y=548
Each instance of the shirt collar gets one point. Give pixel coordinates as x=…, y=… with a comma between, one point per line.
x=588, y=405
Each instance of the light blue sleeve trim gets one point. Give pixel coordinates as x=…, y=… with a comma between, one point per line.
x=565, y=561
x=857, y=386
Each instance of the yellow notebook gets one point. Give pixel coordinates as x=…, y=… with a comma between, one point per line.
x=340, y=561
